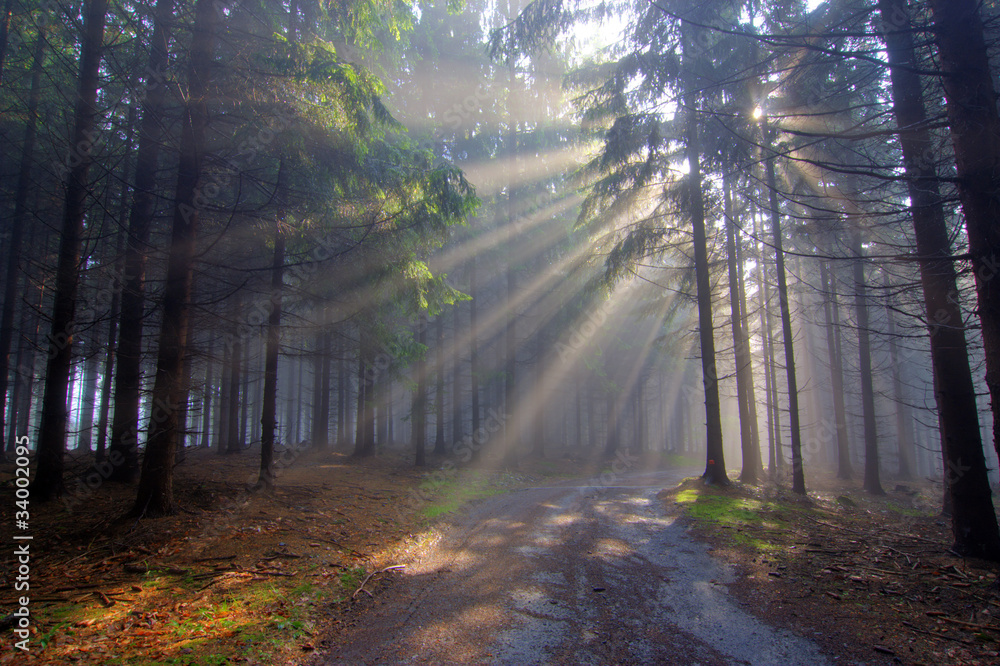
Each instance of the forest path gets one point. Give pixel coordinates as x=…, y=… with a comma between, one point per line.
x=576, y=572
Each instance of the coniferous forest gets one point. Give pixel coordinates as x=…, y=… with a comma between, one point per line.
x=290, y=285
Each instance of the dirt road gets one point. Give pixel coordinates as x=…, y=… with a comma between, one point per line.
x=570, y=573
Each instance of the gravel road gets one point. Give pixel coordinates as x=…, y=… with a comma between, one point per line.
x=568, y=573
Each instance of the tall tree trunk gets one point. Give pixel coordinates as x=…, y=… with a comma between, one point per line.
x=206, y=407
x=872, y=482
x=182, y=409
x=48, y=482
x=512, y=425
x=591, y=419
x=257, y=412
x=128, y=374
x=439, y=367
x=474, y=352
x=795, y=435
x=974, y=524
x=364, y=442
x=104, y=409
x=8, y=10
x=17, y=223
x=457, y=431
x=975, y=133
x=88, y=394
x=382, y=388
x=613, y=434
x=538, y=407
x=831, y=311
x=359, y=435
x=904, y=419
x=368, y=413
x=319, y=434
x=30, y=323
x=236, y=369
x=745, y=324
x=750, y=446
x=222, y=432
x=390, y=427
x=640, y=414
x=715, y=466
x=341, y=396
x=419, y=405
x=578, y=444
x=767, y=349
x=155, y=495
x=247, y=397
x=269, y=417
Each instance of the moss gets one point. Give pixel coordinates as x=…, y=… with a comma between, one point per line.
x=716, y=507
x=454, y=489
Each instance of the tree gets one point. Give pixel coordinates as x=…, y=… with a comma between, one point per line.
x=24, y=178
x=872, y=483
x=128, y=373
x=975, y=132
x=798, y=475
x=750, y=445
x=831, y=311
x=48, y=482
x=155, y=493
x=269, y=421
x=974, y=524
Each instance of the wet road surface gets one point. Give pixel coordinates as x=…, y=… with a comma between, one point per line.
x=568, y=573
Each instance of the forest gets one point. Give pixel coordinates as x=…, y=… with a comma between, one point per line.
x=753, y=237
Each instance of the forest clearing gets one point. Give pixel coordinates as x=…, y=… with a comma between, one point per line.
x=315, y=313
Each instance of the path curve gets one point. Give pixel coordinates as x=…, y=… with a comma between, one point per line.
x=568, y=573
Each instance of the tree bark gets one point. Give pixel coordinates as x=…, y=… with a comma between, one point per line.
x=17, y=223
x=341, y=396
x=439, y=446
x=48, y=482
x=88, y=393
x=319, y=433
x=234, y=432
x=904, y=418
x=155, y=495
x=209, y=391
x=749, y=444
x=457, y=430
x=269, y=416
x=128, y=374
x=419, y=405
x=474, y=353
x=974, y=524
x=872, y=481
x=715, y=465
x=104, y=409
x=8, y=10
x=745, y=324
x=222, y=432
x=975, y=132
x=247, y=398
x=831, y=311
x=795, y=435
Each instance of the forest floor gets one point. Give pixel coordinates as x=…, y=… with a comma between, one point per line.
x=235, y=576
x=867, y=576
x=243, y=577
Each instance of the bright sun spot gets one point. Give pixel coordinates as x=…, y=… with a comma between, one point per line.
x=758, y=113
